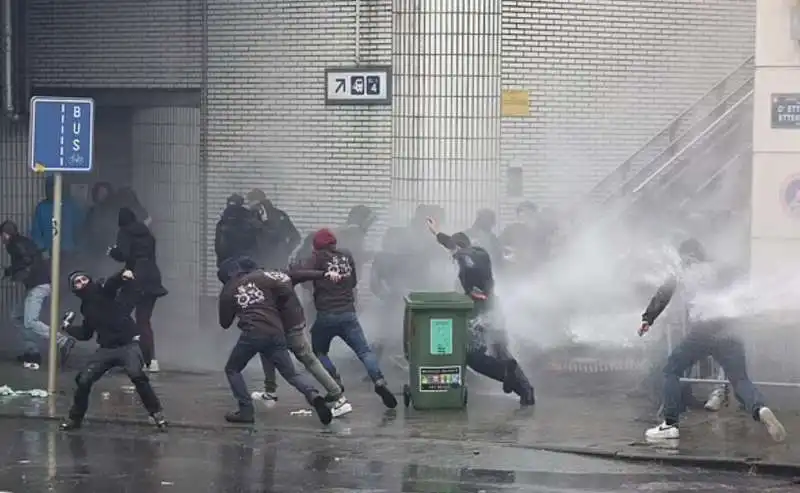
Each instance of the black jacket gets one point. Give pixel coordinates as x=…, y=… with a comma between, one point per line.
x=528, y=245
x=136, y=248
x=277, y=237
x=289, y=305
x=28, y=266
x=329, y=296
x=474, y=271
x=236, y=234
x=105, y=315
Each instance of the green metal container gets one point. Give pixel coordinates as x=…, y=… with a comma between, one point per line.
x=435, y=340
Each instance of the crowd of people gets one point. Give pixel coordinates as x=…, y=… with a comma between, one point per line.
x=262, y=259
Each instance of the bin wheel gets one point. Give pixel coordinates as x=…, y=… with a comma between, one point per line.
x=466, y=393
x=406, y=395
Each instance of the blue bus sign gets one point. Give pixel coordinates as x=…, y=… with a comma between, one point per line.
x=61, y=134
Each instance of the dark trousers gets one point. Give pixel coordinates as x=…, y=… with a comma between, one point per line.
x=709, y=339
x=495, y=366
x=144, y=313
x=129, y=358
x=328, y=326
x=270, y=346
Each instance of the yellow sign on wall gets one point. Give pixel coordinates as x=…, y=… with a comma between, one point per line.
x=515, y=102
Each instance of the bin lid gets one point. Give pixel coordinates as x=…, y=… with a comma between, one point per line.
x=438, y=300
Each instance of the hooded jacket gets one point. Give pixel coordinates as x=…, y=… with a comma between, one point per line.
x=71, y=221
x=28, y=266
x=278, y=237
x=330, y=296
x=474, y=269
x=104, y=313
x=481, y=234
x=100, y=227
x=136, y=248
x=237, y=232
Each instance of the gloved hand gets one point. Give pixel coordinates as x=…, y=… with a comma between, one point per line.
x=67, y=319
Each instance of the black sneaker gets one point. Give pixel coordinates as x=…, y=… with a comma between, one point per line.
x=159, y=421
x=240, y=417
x=31, y=361
x=65, y=350
x=323, y=411
x=69, y=425
x=526, y=396
x=389, y=400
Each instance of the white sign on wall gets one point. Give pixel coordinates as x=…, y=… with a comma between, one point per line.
x=358, y=85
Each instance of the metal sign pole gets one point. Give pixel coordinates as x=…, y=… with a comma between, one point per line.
x=55, y=271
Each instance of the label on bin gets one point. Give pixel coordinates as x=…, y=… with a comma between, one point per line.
x=439, y=379
x=441, y=336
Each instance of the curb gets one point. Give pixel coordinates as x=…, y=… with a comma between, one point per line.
x=748, y=465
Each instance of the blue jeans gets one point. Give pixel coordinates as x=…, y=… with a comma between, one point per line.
x=709, y=339
x=273, y=347
x=26, y=318
x=327, y=326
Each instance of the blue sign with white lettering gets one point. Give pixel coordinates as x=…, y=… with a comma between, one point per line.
x=62, y=134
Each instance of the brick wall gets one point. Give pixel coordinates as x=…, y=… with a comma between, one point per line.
x=268, y=124
x=115, y=43
x=604, y=76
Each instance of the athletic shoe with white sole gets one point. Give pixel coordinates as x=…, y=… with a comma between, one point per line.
x=774, y=427
x=268, y=398
x=716, y=400
x=341, y=407
x=663, y=432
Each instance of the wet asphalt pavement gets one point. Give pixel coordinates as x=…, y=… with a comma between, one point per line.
x=491, y=446
x=114, y=458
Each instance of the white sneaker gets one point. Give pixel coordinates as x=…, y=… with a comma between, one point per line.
x=774, y=427
x=715, y=400
x=341, y=407
x=30, y=366
x=663, y=432
x=269, y=399
x=153, y=368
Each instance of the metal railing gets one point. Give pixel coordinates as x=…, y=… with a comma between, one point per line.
x=679, y=127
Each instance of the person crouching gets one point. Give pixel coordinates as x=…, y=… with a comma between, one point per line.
x=107, y=318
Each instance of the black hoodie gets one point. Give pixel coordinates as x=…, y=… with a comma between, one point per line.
x=28, y=266
x=136, y=248
x=236, y=234
x=104, y=313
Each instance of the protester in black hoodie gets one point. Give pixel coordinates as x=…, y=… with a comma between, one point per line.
x=100, y=226
x=278, y=236
x=237, y=231
x=136, y=248
x=255, y=298
x=477, y=280
x=334, y=300
x=29, y=268
x=106, y=315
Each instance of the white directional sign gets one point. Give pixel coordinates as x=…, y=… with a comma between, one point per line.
x=358, y=85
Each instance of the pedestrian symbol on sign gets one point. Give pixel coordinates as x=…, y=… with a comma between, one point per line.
x=373, y=85
x=357, y=85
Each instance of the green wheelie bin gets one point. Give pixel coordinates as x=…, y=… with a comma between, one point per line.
x=435, y=339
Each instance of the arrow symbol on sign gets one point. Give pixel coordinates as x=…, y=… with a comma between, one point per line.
x=339, y=85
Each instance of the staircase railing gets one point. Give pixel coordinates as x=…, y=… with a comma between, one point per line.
x=679, y=127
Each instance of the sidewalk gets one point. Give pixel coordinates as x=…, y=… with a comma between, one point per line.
x=606, y=424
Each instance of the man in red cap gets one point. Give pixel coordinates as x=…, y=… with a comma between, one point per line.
x=335, y=303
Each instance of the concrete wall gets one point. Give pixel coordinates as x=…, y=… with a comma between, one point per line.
x=606, y=75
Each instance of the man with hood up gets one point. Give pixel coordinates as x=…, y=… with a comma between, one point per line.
x=477, y=280
x=71, y=223
x=335, y=302
x=278, y=236
x=29, y=268
x=258, y=299
x=136, y=248
x=526, y=243
x=708, y=335
x=107, y=316
x=237, y=231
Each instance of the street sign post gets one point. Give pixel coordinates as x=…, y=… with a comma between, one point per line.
x=359, y=85
x=61, y=138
